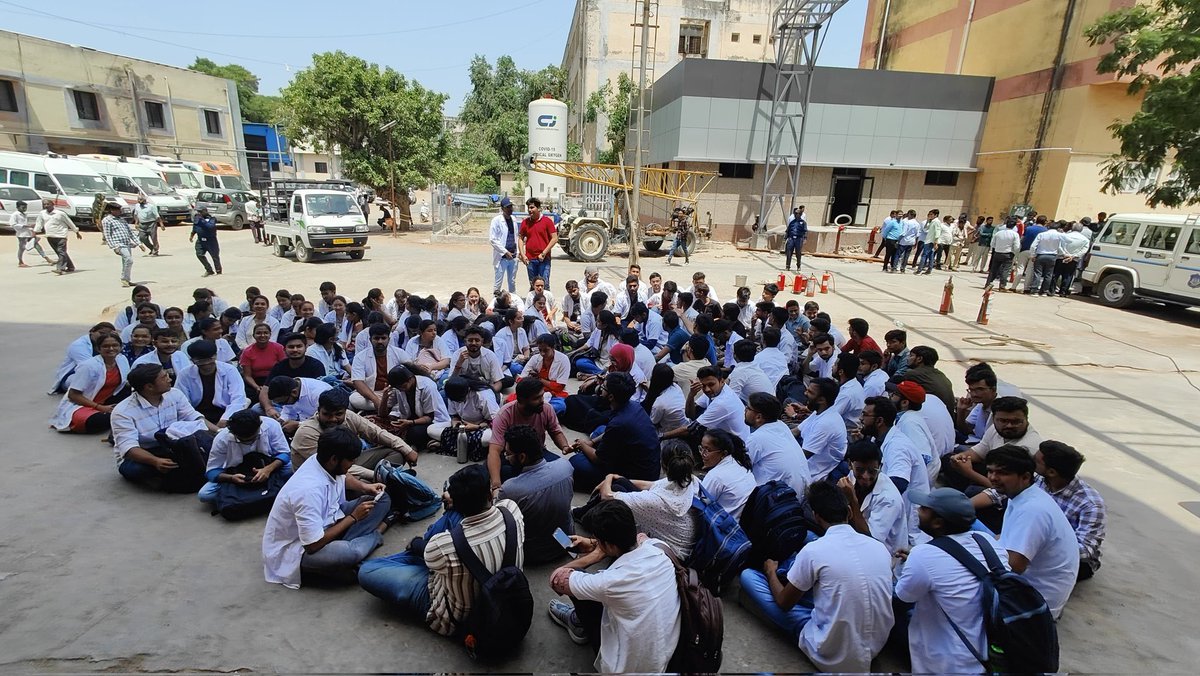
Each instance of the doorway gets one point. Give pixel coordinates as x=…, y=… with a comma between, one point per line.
x=849, y=194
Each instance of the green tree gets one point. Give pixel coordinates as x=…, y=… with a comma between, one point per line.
x=255, y=107
x=343, y=101
x=615, y=102
x=1157, y=46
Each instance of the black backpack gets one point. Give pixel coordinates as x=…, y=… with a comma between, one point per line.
x=775, y=522
x=701, y=623
x=236, y=502
x=1022, y=636
x=190, y=454
x=503, y=609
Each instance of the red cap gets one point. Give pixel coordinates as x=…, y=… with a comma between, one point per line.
x=909, y=390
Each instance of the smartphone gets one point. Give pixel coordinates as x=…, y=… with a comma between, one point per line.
x=565, y=540
x=378, y=496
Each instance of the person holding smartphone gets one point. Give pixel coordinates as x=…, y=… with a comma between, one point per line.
x=542, y=489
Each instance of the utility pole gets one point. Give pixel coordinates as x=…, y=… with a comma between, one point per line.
x=391, y=175
x=635, y=228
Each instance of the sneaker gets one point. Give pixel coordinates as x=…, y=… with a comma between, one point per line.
x=563, y=614
x=207, y=273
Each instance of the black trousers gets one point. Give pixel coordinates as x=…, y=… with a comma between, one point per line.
x=889, y=246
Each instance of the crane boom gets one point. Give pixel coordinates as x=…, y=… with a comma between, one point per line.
x=677, y=185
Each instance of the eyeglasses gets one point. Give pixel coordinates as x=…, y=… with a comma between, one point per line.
x=708, y=450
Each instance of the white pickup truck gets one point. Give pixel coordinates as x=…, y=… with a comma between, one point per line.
x=320, y=222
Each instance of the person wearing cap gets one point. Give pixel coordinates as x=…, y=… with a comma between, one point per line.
x=590, y=285
x=835, y=599
x=909, y=398
x=214, y=388
x=502, y=235
x=120, y=238
x=679, y=227
x=944, y=594
x=153, y=407
x=536, y=242
x=876, y=507
x=204, y=234
x=149, y=221
x=795, y=234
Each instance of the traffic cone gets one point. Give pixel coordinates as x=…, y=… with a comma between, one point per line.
x=812, y=285
x=947, y=298
x=982, y=317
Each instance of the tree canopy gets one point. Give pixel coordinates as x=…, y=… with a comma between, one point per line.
x=1156, y=45
x=343, y=101
x=255, y=107
x=615, y=102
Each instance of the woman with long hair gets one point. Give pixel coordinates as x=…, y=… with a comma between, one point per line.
x=595, y=356
x=457, y=305
x=259, y=307
x=663, y=508
x=729, y=480
x=375, y=302
x=337, y=317
x=128, y=314
x=429, y=350
x=146, y=315
x=327, y=350
x=174, y=318
x=140, y=340
x=258, y=358
x=664, y=401
x=476, y=305
x=95, y=389
x=211, y=329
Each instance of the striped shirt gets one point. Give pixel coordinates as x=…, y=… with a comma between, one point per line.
x=136, y=420
x=452, y=589
x=117, y=233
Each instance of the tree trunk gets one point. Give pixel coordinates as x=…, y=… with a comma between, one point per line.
x=404, y=219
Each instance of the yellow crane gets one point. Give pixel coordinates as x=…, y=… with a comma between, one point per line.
x=586, y=235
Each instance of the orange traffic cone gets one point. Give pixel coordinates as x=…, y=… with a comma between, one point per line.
x=982, y=317
x=812, y=285
x=947, y=298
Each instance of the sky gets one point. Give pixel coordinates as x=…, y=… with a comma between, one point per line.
x=433, y=43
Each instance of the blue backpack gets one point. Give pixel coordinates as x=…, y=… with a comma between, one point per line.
x=721, y=548
x=774, y=520
x=408, y=493
x=1022, y=636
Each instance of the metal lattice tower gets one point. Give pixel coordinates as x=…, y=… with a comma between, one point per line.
x=797, y=41
x=645, y=40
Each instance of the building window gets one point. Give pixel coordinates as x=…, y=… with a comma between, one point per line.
x=86, y=105
x=735, y=37
x=757, y=39
x=212, y=122
x=8, y=96
x=274, y=166
x=1139, y=179
x=734, y=170
x=943, y=178
x=156, y=117
x=693, y=38
x=321, y=167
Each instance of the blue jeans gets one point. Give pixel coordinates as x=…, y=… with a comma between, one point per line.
x=756, y=598
x=342, y=555
x=927, y=256
x=901, y=256
x=679, y=244
x=791, y=246
x=588, y=366
x=403, y=579
x=136, y=472
x=506, y=268
x=559, y=404
x=587, y=475
x=514, y=368
x=538, y=268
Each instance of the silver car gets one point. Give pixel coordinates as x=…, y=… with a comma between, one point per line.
x=227, y=206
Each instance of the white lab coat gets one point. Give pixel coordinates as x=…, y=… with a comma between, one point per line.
x=245, y=330
x=498, y=236
x=363, y=367
x=225, y=351
x=229, y=390
x=88, y=379
x=79, y=351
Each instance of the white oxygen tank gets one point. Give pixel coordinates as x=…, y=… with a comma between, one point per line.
x=548, y=141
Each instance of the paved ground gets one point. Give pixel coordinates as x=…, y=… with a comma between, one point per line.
x=97, y=575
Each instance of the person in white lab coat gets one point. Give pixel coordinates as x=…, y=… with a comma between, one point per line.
x=502, y=235
x=96, y=387
x=80, y=350
x=214, y=388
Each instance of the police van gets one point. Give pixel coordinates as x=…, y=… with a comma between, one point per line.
x=1150, y=256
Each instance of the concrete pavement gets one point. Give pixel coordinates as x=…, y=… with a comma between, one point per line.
x=96, y=575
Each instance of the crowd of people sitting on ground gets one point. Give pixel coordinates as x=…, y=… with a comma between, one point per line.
x=692, y=416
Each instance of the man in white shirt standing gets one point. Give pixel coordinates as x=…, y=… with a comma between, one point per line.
x=313, y=527
x=1040, y=542
x=20, y=225
x=1005, y=245
x=1073, y=246
x=502, y=235
x=775, y=455
x=57, y=225
x=943, y=592
x=845, y=622
x=1045, y=253
x=630, y=610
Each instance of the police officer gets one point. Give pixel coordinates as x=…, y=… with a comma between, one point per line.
x=797, y=231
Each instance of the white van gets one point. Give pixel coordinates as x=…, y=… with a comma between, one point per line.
x=320, y=222
x=70, y=183
x=181, y=179
x=1151, y=256
x=131, y=179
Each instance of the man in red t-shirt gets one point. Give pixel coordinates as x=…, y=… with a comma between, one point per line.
x=536, y=243
x=859, y=340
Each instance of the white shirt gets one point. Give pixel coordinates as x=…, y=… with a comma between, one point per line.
x=667, y=410
x=943, y=591
x=1046, y=243
x=225, y=351
x=333, y=365
x=229, y=390
x=851, y=578
x=644, y=358
x=940, y=424
x=245, y=330
x=730, y=485
x=725, y=412
x=775, y=455
x=550, y=306
x=1073, y=244
x=88, y=379
x=1036, y=528
x=506, y=342
x=306, y=405
x=664, y=511
x=20, y=224
x=560, y=369
x=824, y=367
x=824, y=436
x=885, y=512
x=849, y=402
x=1006, y=240
x=747, y=378
x=992, y=440
x=913, y=426
x=585, y=294
x=875, y=384
x=309, y=502
x=485, y=367
x=773, y=363
x=179, y=361
x=127, y=332
x=902, y=460
x=79, y=351
x=227, y=451
x=498, y=237
x=136, y=420
x=428, y=402
x=712, y=292
x=363, y=368
x=57, y=224
x=640, y=625
x=478, y=406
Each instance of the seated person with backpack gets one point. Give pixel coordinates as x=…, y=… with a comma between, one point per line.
x=248, y=452
x=629, y=445
x=542, y=489
x=630, y=611
x=142, y=454
x=430, y=584
x=836, y=598
x=314, y=528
